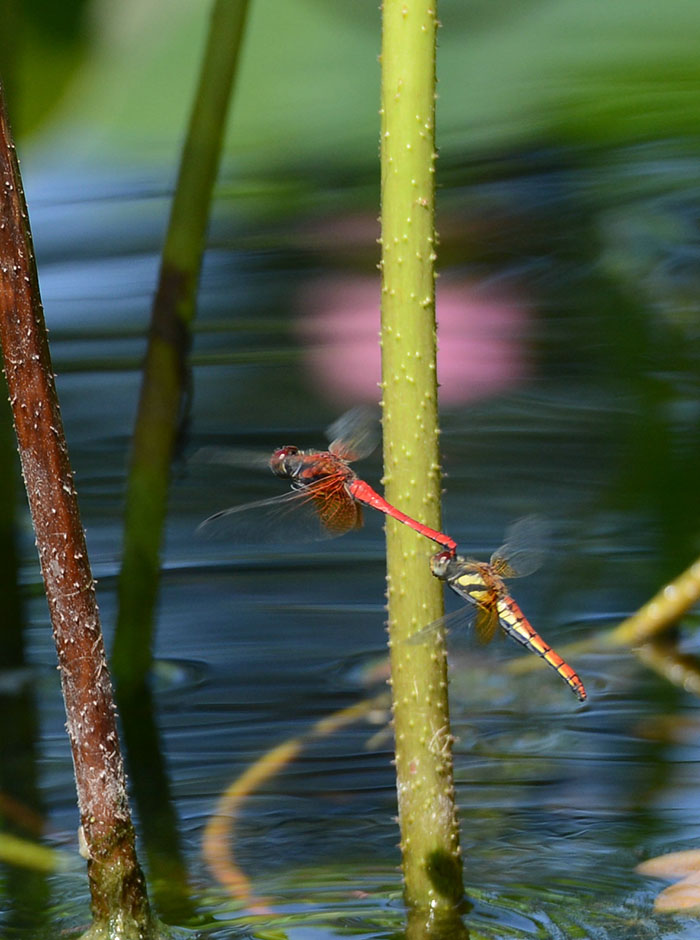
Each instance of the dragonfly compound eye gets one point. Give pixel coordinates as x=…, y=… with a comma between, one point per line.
x=439, y=564
x=285, y=462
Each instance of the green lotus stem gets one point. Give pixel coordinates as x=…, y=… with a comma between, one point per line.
x=165, y=377
x=427, y=817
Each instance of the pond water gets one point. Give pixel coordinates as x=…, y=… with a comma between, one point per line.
x=568, y=277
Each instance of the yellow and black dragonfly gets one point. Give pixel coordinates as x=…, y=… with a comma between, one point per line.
x=481, y=584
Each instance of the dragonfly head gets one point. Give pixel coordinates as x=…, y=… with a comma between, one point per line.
x=440, y=564
x=286, y=462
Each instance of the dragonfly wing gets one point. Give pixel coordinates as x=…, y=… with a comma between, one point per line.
x=524, y=549
x=336, y=508
x=460, y=619
x=297, y=516
x=355, y=434
x=486, y=622
x=232, y=457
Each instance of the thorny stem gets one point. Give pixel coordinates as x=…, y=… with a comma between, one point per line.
x=432, y=862
x=116, y=882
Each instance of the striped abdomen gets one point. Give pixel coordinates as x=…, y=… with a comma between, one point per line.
x=515, y=624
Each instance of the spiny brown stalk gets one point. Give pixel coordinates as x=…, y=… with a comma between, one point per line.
x=116, y=882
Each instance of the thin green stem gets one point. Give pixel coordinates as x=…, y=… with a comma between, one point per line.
x=165, y=378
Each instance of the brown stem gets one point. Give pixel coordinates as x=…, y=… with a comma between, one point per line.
x=116, y=882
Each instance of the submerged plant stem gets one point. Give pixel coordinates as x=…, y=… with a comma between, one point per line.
x=165, y=377
x=427, y=817
x=221, y=825
x=643, y=627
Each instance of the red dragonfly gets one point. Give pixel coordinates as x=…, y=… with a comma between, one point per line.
x=327, y=495
x=481, y=584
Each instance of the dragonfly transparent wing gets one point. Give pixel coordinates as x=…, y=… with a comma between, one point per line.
x=524, y=548
x=355, y=434
x=459, y=620
x=232, y=457
x=318, y=511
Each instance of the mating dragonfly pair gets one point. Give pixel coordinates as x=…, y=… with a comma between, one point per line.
x=328, y=494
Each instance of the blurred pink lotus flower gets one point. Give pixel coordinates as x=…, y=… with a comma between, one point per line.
x=482, y=345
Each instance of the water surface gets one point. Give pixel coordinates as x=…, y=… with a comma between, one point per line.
x=597, y=428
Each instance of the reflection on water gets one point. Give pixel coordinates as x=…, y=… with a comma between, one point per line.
x=596, y=428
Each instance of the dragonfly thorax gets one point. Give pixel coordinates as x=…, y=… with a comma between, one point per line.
x=474, y=580
x=307, y=467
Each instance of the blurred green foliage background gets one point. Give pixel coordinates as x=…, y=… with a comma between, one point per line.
x=116, y=79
